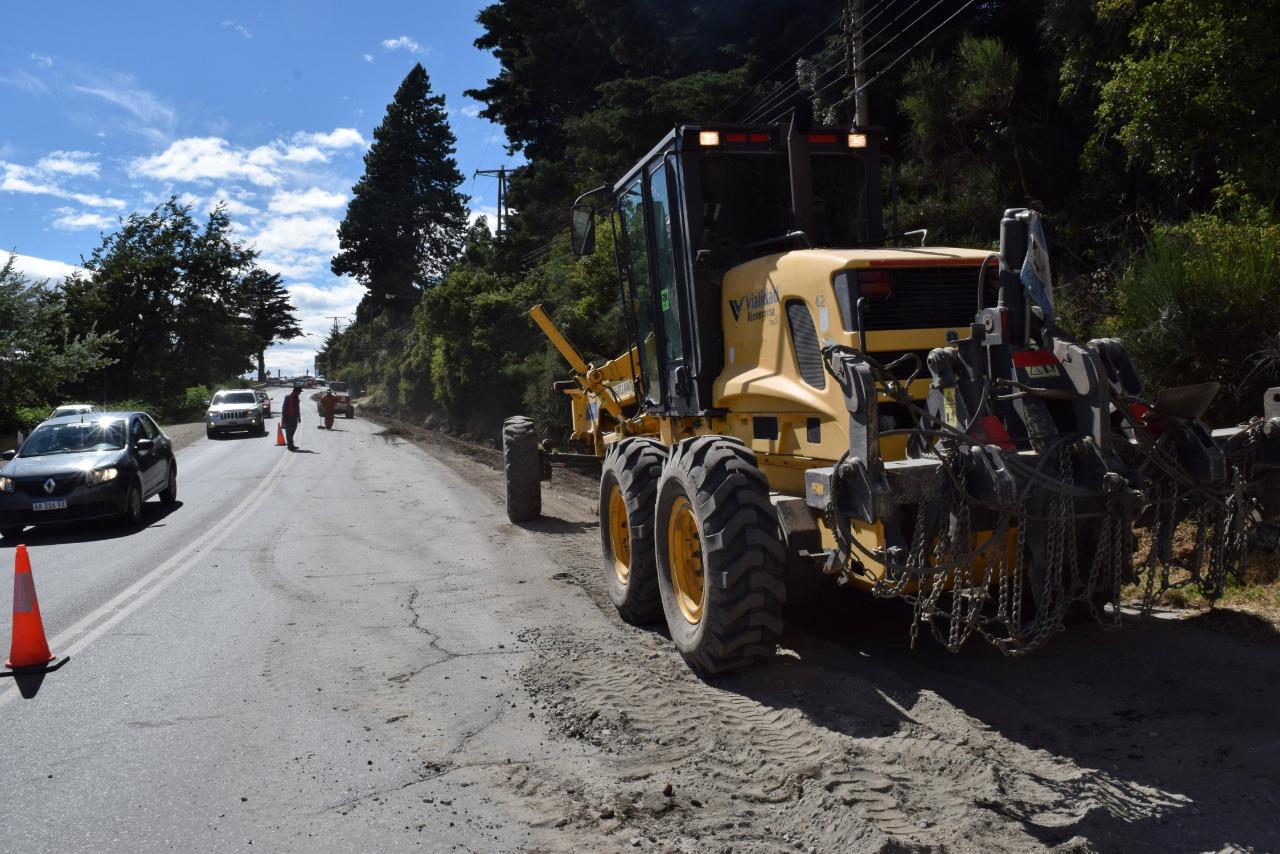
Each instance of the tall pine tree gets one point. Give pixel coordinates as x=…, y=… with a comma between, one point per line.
x=406, y=220
x=268, y=312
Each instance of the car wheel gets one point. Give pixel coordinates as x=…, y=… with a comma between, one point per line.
x=210, y=433
x=11, y=533
x=170, y=493
x=132, y=514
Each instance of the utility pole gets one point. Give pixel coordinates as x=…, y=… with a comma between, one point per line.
x=861, y=114
x=501, y=174
x=328, y=357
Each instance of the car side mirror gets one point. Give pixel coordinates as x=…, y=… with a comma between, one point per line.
x=8, y=455
x=583, y=228
x=144, y=444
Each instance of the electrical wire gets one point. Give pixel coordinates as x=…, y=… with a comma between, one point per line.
x=838, y=19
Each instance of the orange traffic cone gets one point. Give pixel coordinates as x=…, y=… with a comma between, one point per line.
x=279, y=434
x=29, y=648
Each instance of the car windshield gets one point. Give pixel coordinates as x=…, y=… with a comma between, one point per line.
x=79, y=437
x=234, y=397
x=338, y=388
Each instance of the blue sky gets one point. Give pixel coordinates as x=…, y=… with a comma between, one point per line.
x=110, y=108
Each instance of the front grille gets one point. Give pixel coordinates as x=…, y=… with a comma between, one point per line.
x=231, y=416
x=930, y=298
x=66, y=483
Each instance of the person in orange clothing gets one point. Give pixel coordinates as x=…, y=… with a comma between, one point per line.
x=328, y=404
x=291, y=415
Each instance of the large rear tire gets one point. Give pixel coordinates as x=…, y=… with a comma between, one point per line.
x=720, y=560
x=522, y=464
x=628, y=493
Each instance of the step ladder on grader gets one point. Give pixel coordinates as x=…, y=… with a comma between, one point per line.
x=805, y=400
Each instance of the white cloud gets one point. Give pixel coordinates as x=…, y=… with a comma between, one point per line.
x=239, y=28
x=40, y=269
x=336, y=138
x=44, y=181
x=402, y=43
x=368, y=57
x=24, y=81
x=139, y=103
x=42, y=60
x=209, y=158
x=212, y=158
x=68, y=219
x=490, y=214
x=69, y=163
x=313, y=199
x=335, y=300
x=288, y=235
x=304, y=154
x=471, y=108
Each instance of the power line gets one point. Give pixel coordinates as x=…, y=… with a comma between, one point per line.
x=780, y=65
x=904, y=30
x=784, y=91
x=908, y=51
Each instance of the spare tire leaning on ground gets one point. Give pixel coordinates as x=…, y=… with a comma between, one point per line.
x=522, y=465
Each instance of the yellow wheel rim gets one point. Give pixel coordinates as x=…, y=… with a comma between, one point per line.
x=619, y=534
x=684, y=556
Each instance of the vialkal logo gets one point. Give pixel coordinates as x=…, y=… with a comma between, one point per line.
x=759, y=304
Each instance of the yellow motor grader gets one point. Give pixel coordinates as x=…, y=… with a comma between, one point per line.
x=807, y=400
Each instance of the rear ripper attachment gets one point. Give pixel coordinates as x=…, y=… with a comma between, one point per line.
x=1032, y=468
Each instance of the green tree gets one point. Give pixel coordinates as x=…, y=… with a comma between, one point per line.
x=1192, y=101
x=179, y=297
x=40, y=354
x=405, y=223
x=268, y=313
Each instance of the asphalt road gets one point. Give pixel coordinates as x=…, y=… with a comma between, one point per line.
x=350, y=648
x=289, y=658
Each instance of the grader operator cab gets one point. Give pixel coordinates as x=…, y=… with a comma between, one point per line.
x=801, y=400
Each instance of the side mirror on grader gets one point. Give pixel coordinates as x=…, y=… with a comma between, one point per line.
x=911, y=422
x=583, y=229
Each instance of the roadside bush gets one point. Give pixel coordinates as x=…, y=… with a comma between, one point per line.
x=1201, y=303
x=188, y=406
x=27, y=417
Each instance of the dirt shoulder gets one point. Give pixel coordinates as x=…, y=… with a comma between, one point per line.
x=1159, y=736
x=183, y=434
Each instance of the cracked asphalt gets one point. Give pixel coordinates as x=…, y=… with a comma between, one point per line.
x=350, y=648
x=334, y=671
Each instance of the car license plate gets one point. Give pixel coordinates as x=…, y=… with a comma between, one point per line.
x=55, y=504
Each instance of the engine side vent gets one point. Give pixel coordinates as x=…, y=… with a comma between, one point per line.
x=804, y=341
x=929, y=298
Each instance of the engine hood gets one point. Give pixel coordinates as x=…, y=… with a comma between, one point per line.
x=59, y=464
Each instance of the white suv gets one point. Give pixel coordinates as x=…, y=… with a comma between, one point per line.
x=234, y=409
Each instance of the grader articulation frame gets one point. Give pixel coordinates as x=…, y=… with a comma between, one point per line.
x=771, y=425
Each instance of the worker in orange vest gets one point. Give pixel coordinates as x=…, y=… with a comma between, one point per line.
x=328, y=404
x=291, y=415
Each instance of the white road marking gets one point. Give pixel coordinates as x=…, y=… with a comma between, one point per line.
x=89, y=628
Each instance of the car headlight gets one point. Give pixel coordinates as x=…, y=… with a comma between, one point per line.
x=96, y=476
x=6, y=484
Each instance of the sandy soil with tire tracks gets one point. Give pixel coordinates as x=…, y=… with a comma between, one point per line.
x=1161, y=736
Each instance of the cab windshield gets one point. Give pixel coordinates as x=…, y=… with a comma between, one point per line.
x=338, y=388
x=80, y=437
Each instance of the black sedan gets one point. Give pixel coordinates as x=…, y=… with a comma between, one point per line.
x=99, y=465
